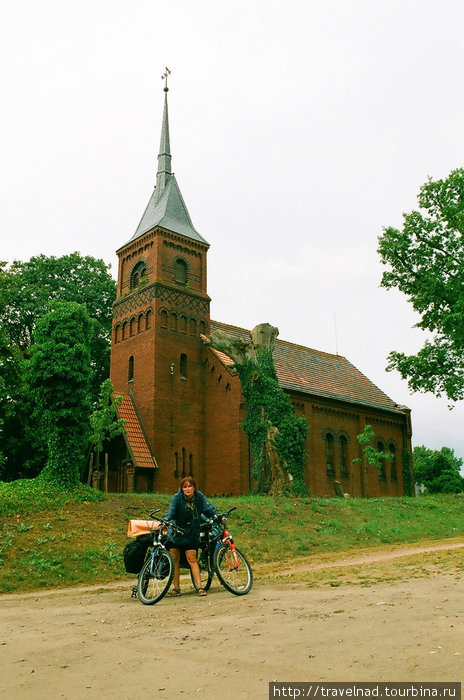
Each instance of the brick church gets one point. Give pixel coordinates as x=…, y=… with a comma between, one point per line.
x=182, y=400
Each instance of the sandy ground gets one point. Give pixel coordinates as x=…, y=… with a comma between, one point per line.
x=99, y=643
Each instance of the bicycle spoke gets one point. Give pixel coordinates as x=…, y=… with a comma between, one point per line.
x=233, y=570
x=155, y=578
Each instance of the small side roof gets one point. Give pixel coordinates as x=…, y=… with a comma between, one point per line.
x=134, y=437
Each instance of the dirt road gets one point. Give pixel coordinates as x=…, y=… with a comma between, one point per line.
x=100, y=643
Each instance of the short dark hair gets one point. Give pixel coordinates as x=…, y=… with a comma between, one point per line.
x=188, y=480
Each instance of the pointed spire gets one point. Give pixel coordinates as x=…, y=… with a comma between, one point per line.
x=166, y=207
x=164, y=155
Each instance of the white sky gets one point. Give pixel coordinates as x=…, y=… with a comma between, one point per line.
x=299, y=129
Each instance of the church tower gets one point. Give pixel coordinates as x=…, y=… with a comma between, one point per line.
x=162, y=308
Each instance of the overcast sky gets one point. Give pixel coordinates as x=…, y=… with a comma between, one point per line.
x=299, y=129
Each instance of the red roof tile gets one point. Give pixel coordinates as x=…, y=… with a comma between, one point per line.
x=134, y=437
x=314, y=372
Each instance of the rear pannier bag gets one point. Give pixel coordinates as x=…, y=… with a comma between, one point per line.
x=134, y=553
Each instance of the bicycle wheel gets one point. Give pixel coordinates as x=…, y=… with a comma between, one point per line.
x=233, y=572
x=206, y=574
x=153, y=582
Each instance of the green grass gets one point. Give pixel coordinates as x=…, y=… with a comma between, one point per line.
x=49, y=538
x=30, y=495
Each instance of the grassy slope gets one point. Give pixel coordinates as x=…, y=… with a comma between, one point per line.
x=70, y=543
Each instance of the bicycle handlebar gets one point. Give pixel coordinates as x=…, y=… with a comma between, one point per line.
x=168, y=523
x=179, y=530
x=218, y=516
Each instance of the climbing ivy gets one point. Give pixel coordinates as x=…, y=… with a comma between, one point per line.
x=268, y=405
x=58, y=376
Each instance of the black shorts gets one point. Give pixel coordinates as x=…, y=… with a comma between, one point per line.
x=182, y=549
x=183, y=544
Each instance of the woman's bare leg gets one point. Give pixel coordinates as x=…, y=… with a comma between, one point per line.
x=176, y=557
x=191, y=556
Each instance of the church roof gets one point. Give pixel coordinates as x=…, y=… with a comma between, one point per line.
x=169, y=211
x=317, y=373
x=166, y=206
x=134, y=437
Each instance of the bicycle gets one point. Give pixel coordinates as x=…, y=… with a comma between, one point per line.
x=218, y=554
x=157, y=572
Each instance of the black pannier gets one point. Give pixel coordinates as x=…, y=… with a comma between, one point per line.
x=134, y=553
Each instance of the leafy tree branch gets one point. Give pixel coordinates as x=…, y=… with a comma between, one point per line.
x=425, y=261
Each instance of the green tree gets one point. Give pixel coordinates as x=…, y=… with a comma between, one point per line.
x=373, y=457
x=19, y=444
x=105, y=424
x=104, y=421
x=58, y=377
x=438, y=470
x=28, y=290
x=426, y=262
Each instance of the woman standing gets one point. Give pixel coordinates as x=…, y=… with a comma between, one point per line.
x=186, y=508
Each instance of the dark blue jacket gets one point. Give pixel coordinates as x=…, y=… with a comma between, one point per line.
x=187, y=515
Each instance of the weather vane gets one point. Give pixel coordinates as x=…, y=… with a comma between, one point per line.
x=165, y=78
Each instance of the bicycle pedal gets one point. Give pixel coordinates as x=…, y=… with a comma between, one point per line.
x=134, y=592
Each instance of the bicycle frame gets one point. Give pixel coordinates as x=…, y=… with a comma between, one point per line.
x=219, y=555
x=211, y=543
x=155, y=546
x=226, y=538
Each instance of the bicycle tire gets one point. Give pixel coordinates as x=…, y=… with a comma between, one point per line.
x=206, y=577
x=151, y=588
x=238, y=579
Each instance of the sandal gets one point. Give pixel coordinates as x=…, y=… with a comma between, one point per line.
x=202, y=592
x=173, y=593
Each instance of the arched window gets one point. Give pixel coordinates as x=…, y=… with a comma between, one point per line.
x=329, y=452
x=124, y=330
x=183, y=324
x=139, y=323
x=183, y=366
x=132, y=326
x=130, y=370
x=138, y=275
x=393, y=465
x=342, y=448
x=180, y=271
x=117, y=333
x=173, y=321
x=164, y=318
x=148, y=318
x=193, y=327
x=380, y=445
x=202, y=328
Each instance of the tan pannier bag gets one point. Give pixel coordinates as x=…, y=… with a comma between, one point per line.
x=142, y=527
